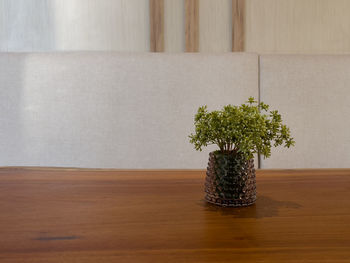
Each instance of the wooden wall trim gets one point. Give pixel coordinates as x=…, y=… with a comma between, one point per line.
x=192, y=25
x=156, y=8
x=238, y=9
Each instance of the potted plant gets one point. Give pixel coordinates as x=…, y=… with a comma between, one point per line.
x=239, y=132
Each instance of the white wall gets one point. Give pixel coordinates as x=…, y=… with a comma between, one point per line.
x=64, y=25
x=118, y=25
x=26, y=25
x=271, y=26
x=312, y=94
x=114, y=110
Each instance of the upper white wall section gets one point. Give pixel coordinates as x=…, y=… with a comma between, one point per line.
x=60, y=25
x=107, y=25
x=26, y=25
x=114, y=110
x=312, y=93
x=271, y=26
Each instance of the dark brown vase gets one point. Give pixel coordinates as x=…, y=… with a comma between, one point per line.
x=230, y=180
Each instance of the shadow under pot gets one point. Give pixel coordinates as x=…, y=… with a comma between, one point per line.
x=230, y=180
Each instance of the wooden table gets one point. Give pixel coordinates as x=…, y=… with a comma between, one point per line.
x=70, y=215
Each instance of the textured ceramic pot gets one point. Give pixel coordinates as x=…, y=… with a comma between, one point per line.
x=230, y=180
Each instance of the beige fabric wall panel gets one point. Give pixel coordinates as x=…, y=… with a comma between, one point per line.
x=215, y=26
x=31, y=25
x=114, y=110
x=297, y=26
x=312, y=92
x=174, y=28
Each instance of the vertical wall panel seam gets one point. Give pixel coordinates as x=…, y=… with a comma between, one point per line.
x=259, y=100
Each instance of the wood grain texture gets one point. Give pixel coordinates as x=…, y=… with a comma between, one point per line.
x=297, y=26
x=75, y=215
x=192, y=25
x=174, y=26
x=238, y=13
x=156, y=8
x=215, y=26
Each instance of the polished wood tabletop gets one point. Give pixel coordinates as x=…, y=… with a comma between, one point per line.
x=71, y=215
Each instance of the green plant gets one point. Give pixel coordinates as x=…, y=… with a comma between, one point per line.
x=245, y=129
